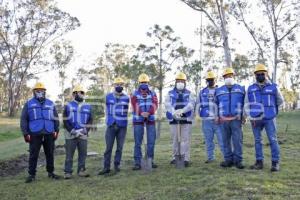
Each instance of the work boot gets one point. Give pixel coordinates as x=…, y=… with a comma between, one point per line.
x=154, y=165
x=275, y=166
x=226, y=164
x=187, y=163
x=83, y=173
x=239, y=165
x=173, y=162
x=117, y=169
x=29, y=179
x=67, y=176
x=53, y=176
x=137, y=167
x=259, y=164
x=104, y=171
x=209, y=161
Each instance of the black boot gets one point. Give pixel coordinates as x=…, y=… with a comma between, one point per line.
x=29, y=179
x=53, y=176
x=117, y=168
x=104, y=171
x=239, y=165
x=226, y=164
x=259, y=164
x=275, y=166
x=154, y=166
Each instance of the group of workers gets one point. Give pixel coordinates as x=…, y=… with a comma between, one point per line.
x=223, y=111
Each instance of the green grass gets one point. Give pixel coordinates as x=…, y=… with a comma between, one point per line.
x=200, y=181
x=9, y=129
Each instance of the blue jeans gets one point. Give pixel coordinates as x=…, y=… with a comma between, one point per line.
x=113, y=133
x=71, y=145
x=138, y=139
x=210, y=128
x=270, y=127
x=232, y=133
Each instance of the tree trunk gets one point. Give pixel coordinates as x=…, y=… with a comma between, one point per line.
x=224, y=33
x=11, y=99
x=274, y=78
x=160, y=90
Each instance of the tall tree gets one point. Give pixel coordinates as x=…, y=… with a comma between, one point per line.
x=160, y=54
x=26, y=27
x=63, y=53
x=216, y=12
x=110, y=64
x=282, y=19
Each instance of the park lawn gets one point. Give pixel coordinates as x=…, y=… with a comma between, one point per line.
x=200, y=181
x=9, y=128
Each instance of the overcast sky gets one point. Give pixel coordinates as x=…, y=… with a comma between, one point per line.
x=126, y=22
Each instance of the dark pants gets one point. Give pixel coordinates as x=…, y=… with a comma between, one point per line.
x=71, y=145
x=113, y=133
x=36, y=142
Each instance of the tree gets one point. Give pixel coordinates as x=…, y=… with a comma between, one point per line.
x=215, y=11
x=242, y=68
x=160, y=57
x=193, y=70
x=110, y=64
x=26, y=28
x=63, y=53
x=281, y=16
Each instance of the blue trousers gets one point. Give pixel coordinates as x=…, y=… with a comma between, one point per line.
x=113, y=133
x=138, y=139
x=270, y=127
x=232, y=140
x=210, y=129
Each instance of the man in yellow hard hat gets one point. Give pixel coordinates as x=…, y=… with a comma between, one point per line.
x=180, y=103
x=77, y=120
x=263, y=99
x=144, y=104
x=40, y=126
x=230, y=104
x=117, y=103
x=207, y=111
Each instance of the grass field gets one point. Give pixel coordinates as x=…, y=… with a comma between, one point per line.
x=200, y=181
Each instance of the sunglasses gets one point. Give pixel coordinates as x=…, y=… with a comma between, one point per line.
x=260, y=74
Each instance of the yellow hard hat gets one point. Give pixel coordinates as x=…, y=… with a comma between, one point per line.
x=143, y=78
x=180, y=76
x=78, y=88
x=118, y=80
x=39, y=85
x=210, y=75
x=227, y=71
x=260, y=67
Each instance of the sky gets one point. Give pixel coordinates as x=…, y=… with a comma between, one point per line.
x=126, y=22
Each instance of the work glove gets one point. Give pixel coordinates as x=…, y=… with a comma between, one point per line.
x=27, y=138
x=178, y=114
x=55, y=135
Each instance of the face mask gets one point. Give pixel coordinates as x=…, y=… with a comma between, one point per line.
x=119, y=89
x=229, y=81
x=210, y=83
x=40, y=96
x=180, y=86
x=144, y=86
x=260, y=78
x=79, y=97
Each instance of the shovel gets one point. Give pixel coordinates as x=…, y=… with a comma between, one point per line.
x=179, y=158
x=146, y=162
